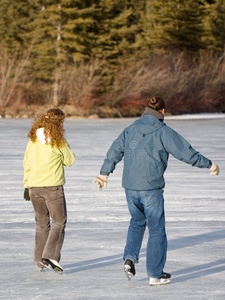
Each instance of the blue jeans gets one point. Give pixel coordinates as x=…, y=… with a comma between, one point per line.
x=147, y=208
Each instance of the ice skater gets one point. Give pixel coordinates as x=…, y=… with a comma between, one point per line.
x=145, y=146
x=47, y=153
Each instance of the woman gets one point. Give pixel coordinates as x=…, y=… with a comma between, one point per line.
x=46, y=155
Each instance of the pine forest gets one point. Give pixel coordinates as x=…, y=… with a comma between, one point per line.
x=107, y=57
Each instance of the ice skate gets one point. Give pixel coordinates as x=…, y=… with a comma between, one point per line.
x=164, y=279
x=44, y=262
x=54, y=265
x=129, y=269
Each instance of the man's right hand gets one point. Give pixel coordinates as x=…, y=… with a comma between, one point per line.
x=101, y=181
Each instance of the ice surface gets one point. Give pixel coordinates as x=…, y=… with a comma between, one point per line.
x=98, y=221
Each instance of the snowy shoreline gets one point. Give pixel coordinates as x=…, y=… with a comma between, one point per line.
x=196, y=116
x=167, y=117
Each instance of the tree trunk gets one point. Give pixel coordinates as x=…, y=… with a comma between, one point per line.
x=56, y=84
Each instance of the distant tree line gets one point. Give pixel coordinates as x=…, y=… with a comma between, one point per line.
x=113, y=53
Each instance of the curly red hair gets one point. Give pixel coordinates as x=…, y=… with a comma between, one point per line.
x=52, y=122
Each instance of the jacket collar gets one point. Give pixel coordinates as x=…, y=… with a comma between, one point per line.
x=154, y=113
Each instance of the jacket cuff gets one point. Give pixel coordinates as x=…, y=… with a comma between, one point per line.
x=104, y=173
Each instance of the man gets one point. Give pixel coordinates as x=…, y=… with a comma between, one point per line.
x=145, y=146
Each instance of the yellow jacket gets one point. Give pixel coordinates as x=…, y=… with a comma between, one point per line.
x=44, y=165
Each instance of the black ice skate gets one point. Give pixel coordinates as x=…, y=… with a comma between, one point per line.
x=129, y=268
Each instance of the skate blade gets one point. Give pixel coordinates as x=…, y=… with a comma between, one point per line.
x=128, y=274
x=159, y=282
x=56, y=270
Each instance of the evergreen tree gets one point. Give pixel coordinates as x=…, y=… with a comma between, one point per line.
x=59, y=33
x=116, y=28
x=174, y=24
x=15, y=15
x=116, y=25
x=217, y=25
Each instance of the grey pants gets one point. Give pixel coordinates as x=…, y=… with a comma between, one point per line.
x=49, y=205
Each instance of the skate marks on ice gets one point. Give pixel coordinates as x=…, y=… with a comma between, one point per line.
x=194, y=214
x=96, y=263
x=193, y=240
x=174, y=244
x=198, y=271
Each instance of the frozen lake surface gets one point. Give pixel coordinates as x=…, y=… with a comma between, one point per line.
x=98, y=221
